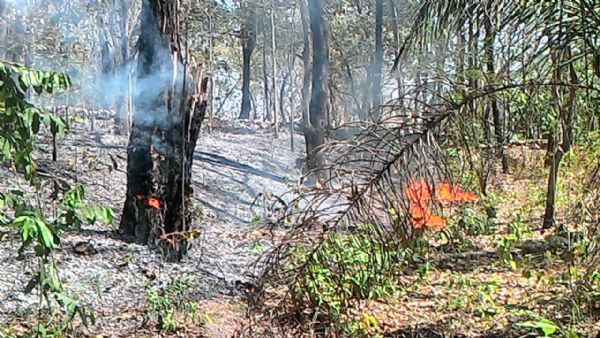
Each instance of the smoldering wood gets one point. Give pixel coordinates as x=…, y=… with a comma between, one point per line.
x=160, y=151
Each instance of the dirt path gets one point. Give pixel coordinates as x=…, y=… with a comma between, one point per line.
x=230, y=170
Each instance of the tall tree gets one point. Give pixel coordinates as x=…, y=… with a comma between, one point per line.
x=2, y=29
x=377, y=59
x=497, y=114
x=306, y=63
x=315, y=133
x=248, y=39
x=169, y=110
x=124, y=111
x=274, y=69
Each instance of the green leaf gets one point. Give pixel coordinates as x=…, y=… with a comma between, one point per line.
x=547, y=327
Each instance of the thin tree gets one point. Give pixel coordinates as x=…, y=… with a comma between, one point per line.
x=166, y=123
x=377, y=59
x=124, y=111
x=497, y=114
x=248, y=39
x=315, y=133
x=306, y=63
x=274, y=70
x=3, y=29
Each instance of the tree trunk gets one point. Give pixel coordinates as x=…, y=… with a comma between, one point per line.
x=315, y=133
x=377, y=60
x=3, y=26
x=248, y=37
x=166, y=124
x=274, y=71
x=565, y=115
x=306, y=63
x=124, y=111
x=497, y=115
x=108, y=71
x=397, y=46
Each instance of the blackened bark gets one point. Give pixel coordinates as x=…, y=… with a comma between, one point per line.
x=315, y=133
x=248, y=37
x=166, y=124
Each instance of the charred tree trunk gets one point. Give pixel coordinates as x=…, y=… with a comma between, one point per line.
x=166, y=124
x=315, y=133
x=248, y=37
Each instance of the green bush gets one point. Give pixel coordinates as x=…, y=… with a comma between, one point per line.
x=343, y=268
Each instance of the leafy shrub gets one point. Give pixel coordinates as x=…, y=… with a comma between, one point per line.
x=342, y=269
x=168, y=305
x=39, y=228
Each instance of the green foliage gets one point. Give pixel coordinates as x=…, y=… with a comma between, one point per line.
x=21, y=120
x=168, y=305
x=547, y=328
x=344, y=268
x=39, y=228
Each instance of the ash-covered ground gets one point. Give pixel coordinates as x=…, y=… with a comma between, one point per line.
x=236, y=167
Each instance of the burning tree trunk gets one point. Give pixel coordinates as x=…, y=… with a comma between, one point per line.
x=166, y=124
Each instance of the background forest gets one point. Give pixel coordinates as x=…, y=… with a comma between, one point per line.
x=309, y=168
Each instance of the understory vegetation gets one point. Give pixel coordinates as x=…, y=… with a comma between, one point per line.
x=444, y=177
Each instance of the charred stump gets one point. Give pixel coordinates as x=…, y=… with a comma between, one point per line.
x=170, y=108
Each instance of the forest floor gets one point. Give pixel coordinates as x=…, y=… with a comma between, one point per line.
x=491, y=278
x=237, y=168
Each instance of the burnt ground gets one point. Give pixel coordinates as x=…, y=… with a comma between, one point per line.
x=236, y=168
x=468, y=293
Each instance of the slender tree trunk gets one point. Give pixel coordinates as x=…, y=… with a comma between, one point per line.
x=211, y=68
x=165, y=130
x=3, y=29
x=397, y=45
x=377, y=60
x=497, y=115
x=108, y=70
x=248, y=37
x=306, y=62
x=566, y=115
x=124, y=111
x=315, y=135
x=274, y=71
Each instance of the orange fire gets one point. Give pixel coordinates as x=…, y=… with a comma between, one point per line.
x=151, y=201
x=420, y=196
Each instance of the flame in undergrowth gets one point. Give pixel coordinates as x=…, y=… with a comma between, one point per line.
x=447, y=192
x=420, y=195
